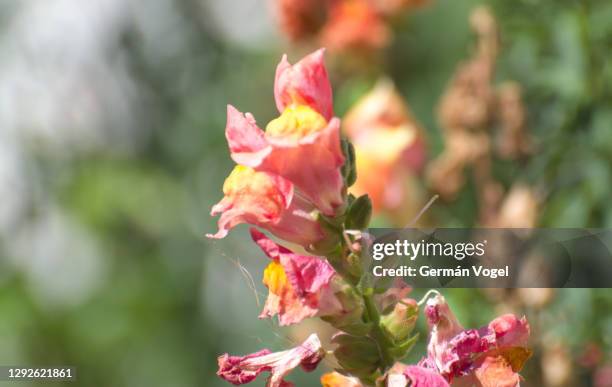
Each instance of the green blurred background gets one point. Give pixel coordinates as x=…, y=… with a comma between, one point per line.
x=112, y=151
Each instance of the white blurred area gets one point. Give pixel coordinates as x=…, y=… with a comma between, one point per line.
x=60, y=94
x=244, y=22
x=58, y=84
x=66, y=89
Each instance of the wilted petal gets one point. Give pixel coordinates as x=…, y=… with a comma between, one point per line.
x=510, y=331
x=299, y=285
x=398, y=291
x=443, y=327
x=305, y=83
x=422, y=377
x=401, y=375
x=454, y=352
x=336, y=379
x=267, y=201
x=244, y=369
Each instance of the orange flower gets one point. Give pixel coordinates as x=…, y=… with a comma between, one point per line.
x=389, y=146
x=354, y=24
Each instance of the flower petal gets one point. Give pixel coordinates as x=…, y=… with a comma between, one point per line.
x=312, y=163
x=267, y=201
x=401, y=375
x=244, y=369
x=422, y=377
x=510, y=331
x=299, y=285
x=305, y=83
x=336, y=379
x=496, y=372
x=246, y=140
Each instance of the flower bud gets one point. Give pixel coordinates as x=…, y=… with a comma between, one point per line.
x=400, y=322
x=349, y=169
x=356, y=355
x=359, y=213
x=350, y=319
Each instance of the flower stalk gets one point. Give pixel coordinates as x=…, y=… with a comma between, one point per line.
x=292, y=181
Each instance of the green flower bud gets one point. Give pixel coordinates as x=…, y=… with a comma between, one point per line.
x=350, y=320
x=399, y=323
x=357, y=355
x=359, y=213
x=349, y=170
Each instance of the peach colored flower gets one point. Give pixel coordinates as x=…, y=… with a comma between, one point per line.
x=244, y=369
x=496, y=372
x=267, y=201
x=303, y=144
x=389, y=146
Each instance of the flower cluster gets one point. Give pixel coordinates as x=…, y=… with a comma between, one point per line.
x=342, y=24
x=292, y=181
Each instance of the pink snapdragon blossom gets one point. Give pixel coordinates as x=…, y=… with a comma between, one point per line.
x=303, y=144
x=455, y=352
x=299, y=286
x=240, y=370
x=267, y=201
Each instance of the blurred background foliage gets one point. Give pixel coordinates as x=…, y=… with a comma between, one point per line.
x=112, y=152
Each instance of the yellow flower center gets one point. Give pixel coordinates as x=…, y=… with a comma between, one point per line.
x=274, y=278
x=296, y=121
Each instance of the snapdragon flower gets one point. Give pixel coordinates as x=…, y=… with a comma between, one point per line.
x=475, y=354
x=240, y=370
x=303, y=144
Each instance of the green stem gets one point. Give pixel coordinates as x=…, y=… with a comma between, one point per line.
x=383, y=341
